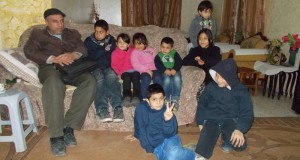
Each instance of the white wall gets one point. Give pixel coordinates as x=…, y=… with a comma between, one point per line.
x=80, y=11
x=110, y=11
x=0, y=39
x=188, y=13
x=282, y=18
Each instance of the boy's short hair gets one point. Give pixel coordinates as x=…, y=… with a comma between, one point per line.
x=125, y=37
x=154, y=89
x=167, y=40
x=141, y=37
x=101, y=23
x=205, y=5
x=209, y=36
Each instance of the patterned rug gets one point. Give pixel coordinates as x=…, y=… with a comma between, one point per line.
x=268, y=139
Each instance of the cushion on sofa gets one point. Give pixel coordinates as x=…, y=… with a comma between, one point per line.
x=254, y=42
x=222, y=38
x=17, y=64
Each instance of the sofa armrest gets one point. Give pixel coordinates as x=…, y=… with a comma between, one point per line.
x=192, y=78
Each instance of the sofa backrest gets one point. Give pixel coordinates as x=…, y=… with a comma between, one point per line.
x=153, y=33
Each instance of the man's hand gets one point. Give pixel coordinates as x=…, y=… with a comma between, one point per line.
x=65, y=59
x=168, y=113
x=237, y=138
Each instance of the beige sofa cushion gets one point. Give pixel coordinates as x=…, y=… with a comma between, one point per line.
x=254, y=42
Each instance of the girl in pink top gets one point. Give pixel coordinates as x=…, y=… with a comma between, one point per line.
x=121, y=64
x=142, y=60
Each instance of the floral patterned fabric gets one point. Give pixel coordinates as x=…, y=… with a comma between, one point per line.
x=192, y=78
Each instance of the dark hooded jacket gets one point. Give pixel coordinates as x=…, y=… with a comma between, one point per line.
x=230, y=102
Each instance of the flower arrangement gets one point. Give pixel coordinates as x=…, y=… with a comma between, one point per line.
x=275, y=56
x=293, y=41
x=275, y=43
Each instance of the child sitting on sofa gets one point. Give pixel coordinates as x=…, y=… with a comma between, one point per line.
x=168, y=62
x=100, y=45
x=155, y=126
x=142, y=60
x=204, y=56
x=121, y=63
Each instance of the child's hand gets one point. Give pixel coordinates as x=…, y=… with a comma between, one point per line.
x=237, y=138
x=150, y=72
x=200, y=127
x=197, y=58
x=168, y=113
x=201, y=62
x=167, y=72
x=130, y=138
x=173, y=72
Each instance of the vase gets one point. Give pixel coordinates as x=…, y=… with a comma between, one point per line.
x=292, y=57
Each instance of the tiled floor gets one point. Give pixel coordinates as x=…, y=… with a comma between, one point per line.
x=265, y=106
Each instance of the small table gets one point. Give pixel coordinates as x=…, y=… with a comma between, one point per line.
x=275, y=73
x=249, y=77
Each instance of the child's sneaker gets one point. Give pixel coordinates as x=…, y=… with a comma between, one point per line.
x=226, y=148
x=135, y=101
x=199, y=157
x=126, y=102
x=190, y=146
x=104, y=116
x=118, y=115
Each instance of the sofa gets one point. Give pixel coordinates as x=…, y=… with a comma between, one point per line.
x=13, y=63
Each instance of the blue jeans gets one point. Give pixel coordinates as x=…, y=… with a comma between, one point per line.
x=172, y=86
x=107, y=88
x=210, y=133
x=171, y=149
x=146, y=80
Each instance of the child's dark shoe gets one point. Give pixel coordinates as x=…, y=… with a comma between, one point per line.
x=126, y=102
x=135, y=101
x=104, y=116
x=118, y=115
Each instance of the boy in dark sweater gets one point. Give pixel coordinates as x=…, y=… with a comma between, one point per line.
x=155, y=126
x=100, y=45
x=168, y=62
x=224, y=107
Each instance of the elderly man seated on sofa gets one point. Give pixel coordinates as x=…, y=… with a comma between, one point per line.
x=58, y=45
